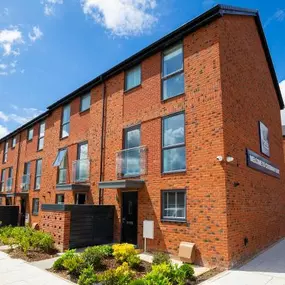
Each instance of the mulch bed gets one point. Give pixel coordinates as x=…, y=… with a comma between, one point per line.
x=32, y=255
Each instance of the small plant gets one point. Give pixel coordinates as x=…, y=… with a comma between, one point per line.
x=122, y=252
x=93, y=256
x=87, y=277
x=134, y=261
x=160, y=257
x=183, y=273
x=106, y=250
x=74, y=265
x=58, y=264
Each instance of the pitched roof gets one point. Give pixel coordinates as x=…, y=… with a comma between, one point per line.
x=191, y=26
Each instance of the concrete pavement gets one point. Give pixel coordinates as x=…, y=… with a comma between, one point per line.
x=268, y=268
x=19, y=272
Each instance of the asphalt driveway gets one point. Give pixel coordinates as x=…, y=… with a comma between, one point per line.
x=267, y=268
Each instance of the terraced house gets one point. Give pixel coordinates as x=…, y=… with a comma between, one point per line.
x=186, y=133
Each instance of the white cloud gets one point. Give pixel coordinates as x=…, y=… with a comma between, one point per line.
x=49, y=6
x=3, y=66
x=8, y=39
x=122, y=17
x=279, y=16
x=3, y=117
x=282, y=88
x=3, y=131
x=36, y=34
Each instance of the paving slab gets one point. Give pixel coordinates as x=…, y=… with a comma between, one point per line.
x=268, y=268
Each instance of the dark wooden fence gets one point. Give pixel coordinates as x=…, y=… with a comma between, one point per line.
x=9, y=215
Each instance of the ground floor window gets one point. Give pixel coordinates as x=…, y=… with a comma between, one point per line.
x=8, y=201
x=80, y=198
x=36, y=204
x=173, y=205
x=59, y=199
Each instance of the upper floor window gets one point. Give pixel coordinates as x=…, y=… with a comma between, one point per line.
x=133, y=78
x=14, y=142
x=30, y=134
x=5, y=154
x=65, y=121
x=36, y=206
x=9, y=181
x=173, y=143
x=38, y=174
x=172, y=73
x=82, y=165
x=2, y=181
x=41, y=136
x=85, y=102
x=61, y=163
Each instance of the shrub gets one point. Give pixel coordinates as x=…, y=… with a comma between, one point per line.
x=92, y=256
x=106, y=250
x=58, y=264
x=183, y=273
x=87, y=277
x=160, y=257
x=134, y=261
x=122, y=252
x=158, y=280
x=138, y=282
x=74, y=265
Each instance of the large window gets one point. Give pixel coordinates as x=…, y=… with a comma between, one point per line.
x=5, y=154
x=172, y=73
x=26, y=176
x=61, y=163
x=81, y=166
x=14, y=142
x=41, y=135
x=2, y=182
x=38, y=174
x=133, y=78
x=173, y=205
x=36, y=206
x=173, y=143
x=30, y=134
x=9, y=181
x=65, y=121
x=85, y=102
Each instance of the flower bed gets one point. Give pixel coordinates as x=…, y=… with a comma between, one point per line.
x=27, y=243
x=119, y=265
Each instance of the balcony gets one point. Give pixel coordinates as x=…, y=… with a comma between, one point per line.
x=81, y=171
x=131, y=162
x=25, y=185
x=9, y=184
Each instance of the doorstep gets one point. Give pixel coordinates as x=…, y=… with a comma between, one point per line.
x=199, y=270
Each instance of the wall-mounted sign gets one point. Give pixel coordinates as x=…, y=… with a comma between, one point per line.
x=261, y=164
x=264, y=139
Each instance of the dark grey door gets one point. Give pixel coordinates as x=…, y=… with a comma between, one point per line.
x=130, y=217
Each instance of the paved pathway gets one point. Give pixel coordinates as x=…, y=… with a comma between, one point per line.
x=19, y=272
x=266, y=269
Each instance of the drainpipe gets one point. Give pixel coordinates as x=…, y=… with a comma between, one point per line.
x=103, y=134
x=17, y=168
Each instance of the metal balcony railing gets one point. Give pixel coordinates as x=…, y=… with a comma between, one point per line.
x=81, y=171
x=9, y=184
x=131, y=162
x=25, y=185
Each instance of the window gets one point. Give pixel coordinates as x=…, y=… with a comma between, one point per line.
x=173, y=143
x=133, y=78
x=59, y=199
x=173, y=205
x=30, y=134
x=81, y=166
x=38, y=174
x=82, y=152
x=26, y=176
x=9, y=181
x=80, y=198
x=172, y=73
x=2, y=182
x=65, y=121
x=85, y=102
x=131, y=154
x=41, y=135
x=36, y=205
x=5, y=154
x=14, y=142
x=61, y=162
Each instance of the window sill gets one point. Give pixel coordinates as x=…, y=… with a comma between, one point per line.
x=81, y=113
x=34, y=214
x=37, y=190
x=172, y=98
x=183, y=171
x=61, y=139
x=39, y=150
x=174, y=221
x=133, y=89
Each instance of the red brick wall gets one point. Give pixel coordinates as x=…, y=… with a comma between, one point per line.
x=256, y=208
x=58, y=225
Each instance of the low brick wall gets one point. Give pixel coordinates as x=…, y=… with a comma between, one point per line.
x=57, y=223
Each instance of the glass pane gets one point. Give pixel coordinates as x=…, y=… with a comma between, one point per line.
x=38, y=182
x=65, y=130
x=172, y=60
x=174, y=159
x=62, y=175
x=42, y=129
x=133, y=77
x=169, y=204
x=173, y=86
x=82, y=170
x=83, y=151
x=14, y=142
x=181, y=207
x=85, y=102
x=30, y=134
x=132, y=138
x=131, y=162
x=6, y=146
x=60, y=155
x=173, y=130
x=39, y=167
x=66, y=114
x=60, y=199
x=41, y=143
x=27, y=168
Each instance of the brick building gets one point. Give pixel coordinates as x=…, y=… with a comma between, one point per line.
x=185, y=133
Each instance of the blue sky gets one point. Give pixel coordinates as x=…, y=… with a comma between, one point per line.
x=48, y=48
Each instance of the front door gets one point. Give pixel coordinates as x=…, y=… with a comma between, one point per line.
x=130, y=217
x=23, y=212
